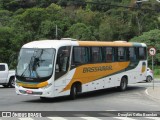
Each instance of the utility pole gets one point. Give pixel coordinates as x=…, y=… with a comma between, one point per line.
x=56, y=32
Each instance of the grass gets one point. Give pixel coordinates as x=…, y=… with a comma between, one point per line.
x=157, y=73
x=157, y=76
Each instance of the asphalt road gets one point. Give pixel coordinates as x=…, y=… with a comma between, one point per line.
x=133, y=99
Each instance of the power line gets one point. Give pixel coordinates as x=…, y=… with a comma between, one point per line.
x=137, y=6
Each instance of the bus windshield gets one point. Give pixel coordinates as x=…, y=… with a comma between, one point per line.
x=35, y=63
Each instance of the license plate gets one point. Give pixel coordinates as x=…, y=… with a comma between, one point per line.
x=29, y=91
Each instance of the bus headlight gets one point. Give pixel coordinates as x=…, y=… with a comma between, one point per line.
x=16, y=84
x=50, y=84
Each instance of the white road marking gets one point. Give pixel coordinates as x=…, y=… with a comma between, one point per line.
x=90, y=118
x=146, y=91
x=124, y=118
x=86, y=117
x=153, y=118
x=111, y=110
x=93, y=118
x=56, y=118
x=108, y=114
x=25, y=118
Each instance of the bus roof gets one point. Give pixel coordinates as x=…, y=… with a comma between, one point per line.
x=47, y=44
x=59, y=43
x=114, y=43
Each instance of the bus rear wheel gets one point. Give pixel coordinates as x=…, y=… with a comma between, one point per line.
x=73, y=92
x=123, y=84
x=149, y=79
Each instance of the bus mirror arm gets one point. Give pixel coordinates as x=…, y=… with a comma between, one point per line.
x=73, y=65
x=57, y=68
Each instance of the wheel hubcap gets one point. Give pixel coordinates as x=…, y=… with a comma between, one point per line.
x=149, y=79
x=123, y=85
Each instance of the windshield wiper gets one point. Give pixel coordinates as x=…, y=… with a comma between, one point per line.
x=22, y=75
x=34, y=62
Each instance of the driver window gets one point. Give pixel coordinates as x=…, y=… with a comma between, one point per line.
x=62, y=62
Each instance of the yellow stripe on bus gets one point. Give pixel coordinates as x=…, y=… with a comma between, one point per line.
x=90, y=72
x=143, y=69
x=27, y=85
x=96, y=43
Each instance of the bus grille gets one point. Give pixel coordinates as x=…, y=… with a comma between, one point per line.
x=33, y=93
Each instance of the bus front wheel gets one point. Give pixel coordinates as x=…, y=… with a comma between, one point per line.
x=6, y=86
x=123, y=84
x=45, y=99
x=73, y=92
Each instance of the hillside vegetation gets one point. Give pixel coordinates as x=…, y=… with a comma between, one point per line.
x=22, y=21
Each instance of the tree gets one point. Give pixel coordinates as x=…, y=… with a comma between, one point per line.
x=80, y=31
x=88, y=17
x=45, y=3
x=22, y=21
x=100, y=5
x=151, y=38
x=62, y=3
x=54, y=12
x=5, y=17
x=114, y=28
x=48, y=30
x=27, y=24
x=6, y=36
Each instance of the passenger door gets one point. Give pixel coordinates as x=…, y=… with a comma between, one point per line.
x=62, y=68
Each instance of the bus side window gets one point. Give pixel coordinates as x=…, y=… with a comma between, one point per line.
x=115, y=52
x=127, y=54
x=109, y=54
x=137, y=53
x=121, y=54
x=142, y=53
x=132, y=54
x=80, y=55
x=96, y=54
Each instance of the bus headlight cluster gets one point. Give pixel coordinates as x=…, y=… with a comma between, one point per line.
x=16, y=84
x=50, y=84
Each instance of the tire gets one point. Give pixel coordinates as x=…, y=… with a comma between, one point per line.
x=44, y=98
x=123, y=84
x=12, y=82
x=6, y=86
x=73, y=92
x=149, y=79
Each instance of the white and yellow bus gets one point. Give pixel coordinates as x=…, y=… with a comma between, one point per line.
x=52, y=68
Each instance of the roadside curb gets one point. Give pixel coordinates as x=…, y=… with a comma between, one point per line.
x=154, y=93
